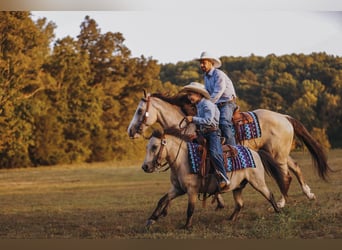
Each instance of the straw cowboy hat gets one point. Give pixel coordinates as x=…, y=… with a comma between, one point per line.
x=197, y=88
x=216, y=61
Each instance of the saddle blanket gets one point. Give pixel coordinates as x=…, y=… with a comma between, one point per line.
x=248, y=131
x=242, y=160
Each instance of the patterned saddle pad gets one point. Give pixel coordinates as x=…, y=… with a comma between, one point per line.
x=242, y=160
x=247, y=129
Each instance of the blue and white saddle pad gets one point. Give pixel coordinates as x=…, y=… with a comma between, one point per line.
x=242, y=160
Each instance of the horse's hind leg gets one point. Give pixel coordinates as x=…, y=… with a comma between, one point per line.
x=273, y=203
x=298, y=173
x=220, y=201
x=261, y=187
x=287, y=181
x=282, y=162
x=238, y=204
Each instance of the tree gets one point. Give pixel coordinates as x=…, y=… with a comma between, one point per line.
x=106, y=52
x=23, y=49
x=77, y=105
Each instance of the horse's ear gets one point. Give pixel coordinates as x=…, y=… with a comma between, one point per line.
x=145, y=93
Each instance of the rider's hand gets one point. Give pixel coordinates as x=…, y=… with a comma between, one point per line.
x=189, y=118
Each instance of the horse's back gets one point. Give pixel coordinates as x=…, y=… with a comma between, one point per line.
x=268, y=118
x=276, y=129
x=251, y=174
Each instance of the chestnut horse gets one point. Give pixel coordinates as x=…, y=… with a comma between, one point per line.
x=277, y=135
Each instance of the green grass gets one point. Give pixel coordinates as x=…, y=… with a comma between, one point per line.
x=113, y=201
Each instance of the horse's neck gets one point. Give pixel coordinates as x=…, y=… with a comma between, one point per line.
x=168, y=115
x=177, y=152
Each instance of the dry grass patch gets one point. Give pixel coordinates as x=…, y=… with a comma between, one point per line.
x=111, y=201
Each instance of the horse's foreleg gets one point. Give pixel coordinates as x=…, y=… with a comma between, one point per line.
x=161, y=208
x=190, y=211
x=238, y=204
x=298, y=173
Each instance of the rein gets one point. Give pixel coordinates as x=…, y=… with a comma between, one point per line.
x=157, y=161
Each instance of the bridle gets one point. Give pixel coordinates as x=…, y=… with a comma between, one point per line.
x=161, y=167
x=143, y=120
x=157, y=162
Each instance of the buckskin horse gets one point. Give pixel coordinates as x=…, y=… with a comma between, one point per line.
x=277, y=135
x=169, y=149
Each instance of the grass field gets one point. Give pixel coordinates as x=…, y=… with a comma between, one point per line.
x=113, y=201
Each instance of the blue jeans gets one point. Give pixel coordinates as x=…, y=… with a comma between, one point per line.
x=215, y=150
x=226, y=124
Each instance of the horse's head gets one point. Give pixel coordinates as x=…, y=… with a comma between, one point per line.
x=168, y=111
x=156, y=153
x=144, y=116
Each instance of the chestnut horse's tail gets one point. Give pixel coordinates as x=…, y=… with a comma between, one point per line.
x=272, y=168
x=318, y=155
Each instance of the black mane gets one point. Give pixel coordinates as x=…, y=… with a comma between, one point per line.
x=180, y=100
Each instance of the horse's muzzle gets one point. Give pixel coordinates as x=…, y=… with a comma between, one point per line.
x=133, y=134
x=146, y=168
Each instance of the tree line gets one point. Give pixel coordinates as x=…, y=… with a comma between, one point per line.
x=307, y=87
x=72, y=101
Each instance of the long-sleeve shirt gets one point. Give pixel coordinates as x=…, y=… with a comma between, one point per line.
x=208, y=114
x=219, y=86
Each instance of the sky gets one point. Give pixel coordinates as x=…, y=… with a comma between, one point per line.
x=180, y=31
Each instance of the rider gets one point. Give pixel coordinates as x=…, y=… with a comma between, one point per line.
x=222, y=93
x=207, y=119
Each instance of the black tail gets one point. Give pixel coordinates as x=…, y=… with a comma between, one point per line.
x=317, y=153
x=272, y=168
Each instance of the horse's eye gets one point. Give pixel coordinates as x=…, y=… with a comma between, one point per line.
x=140, y=111
x=154, y=148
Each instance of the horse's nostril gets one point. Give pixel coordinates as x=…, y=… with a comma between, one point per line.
x=144, y=167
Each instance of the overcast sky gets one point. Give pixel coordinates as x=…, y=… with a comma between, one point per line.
x=172, y=33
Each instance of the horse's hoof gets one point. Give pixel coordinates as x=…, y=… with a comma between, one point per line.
x=312, y=196
x=186, y=227
x=281, y=204
x=219, y=207
x=149, y=223
x=232, y=218
x=274, y=209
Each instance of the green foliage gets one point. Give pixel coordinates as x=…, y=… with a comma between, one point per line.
x=73, y=101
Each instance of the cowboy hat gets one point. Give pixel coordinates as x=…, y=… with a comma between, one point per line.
x=197, y=88
x=216, y=61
